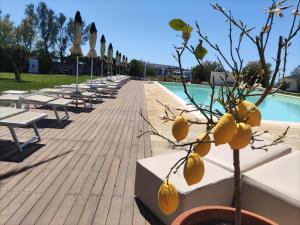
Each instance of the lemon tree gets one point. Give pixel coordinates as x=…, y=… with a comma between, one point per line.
x=233, y=124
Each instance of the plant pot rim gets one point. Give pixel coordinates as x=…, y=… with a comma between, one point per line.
x=215, y=212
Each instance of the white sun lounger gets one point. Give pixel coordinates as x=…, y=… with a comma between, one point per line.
x=54, y=103
x=19, y=118
x=38, y=100
x=70, y=91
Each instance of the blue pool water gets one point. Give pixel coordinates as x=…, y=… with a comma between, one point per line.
x=275, y=107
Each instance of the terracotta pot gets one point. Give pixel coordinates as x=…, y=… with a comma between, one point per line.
x=205, y=214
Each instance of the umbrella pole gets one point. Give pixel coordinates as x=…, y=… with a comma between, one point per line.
x=102, y=71
x=91, y=72
x=77, y=80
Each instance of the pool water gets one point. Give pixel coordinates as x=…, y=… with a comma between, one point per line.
x=275, y=107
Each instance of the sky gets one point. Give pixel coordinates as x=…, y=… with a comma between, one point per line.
x=139, y=28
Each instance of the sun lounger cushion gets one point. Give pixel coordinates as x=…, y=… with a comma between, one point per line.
x=39, y=98
x=15, y=92
x=223, y=156
x=273, y=189
x=23, y=119
x=9, y=111
x=9, y=98
x=216, y=186
x=60, y=101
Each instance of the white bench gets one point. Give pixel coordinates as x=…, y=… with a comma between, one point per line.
x=273, y=189
x=216, y=187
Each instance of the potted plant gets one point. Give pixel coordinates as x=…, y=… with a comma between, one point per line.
x=232, y=125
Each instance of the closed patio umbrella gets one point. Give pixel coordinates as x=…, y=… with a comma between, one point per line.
x=110, y=56
x=102, y=52
x=76, y=48
x=123, y=64
x=126, y=61
x=92, y=53
x=117, y=61
x=120, y=62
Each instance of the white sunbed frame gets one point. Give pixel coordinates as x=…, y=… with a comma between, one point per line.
x=54, y=104
x=59, y=91
x=22, y=119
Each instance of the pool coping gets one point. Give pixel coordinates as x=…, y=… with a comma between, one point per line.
x=198, y=115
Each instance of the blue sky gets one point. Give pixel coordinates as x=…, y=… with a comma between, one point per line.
x=139, y=28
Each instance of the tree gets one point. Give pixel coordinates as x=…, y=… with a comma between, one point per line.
x=296, y=71
x=136, y=68
x=12, y=45
x=234, y=125
x=47, y=25
x=252, y=72
x=202, y=72
x=27, y=28
x=63, y=39
x=150, y=71
x=27, y=33
x=6, y=30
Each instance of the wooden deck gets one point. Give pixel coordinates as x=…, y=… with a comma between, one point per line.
x=83, y=173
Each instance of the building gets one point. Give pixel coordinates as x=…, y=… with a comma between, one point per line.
x=162, y=70
x=293, y=83
x=219, y=78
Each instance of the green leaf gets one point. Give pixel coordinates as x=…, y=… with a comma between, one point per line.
x=186, y=32
x=200, y=51
x=187, y=29
x=177, y=24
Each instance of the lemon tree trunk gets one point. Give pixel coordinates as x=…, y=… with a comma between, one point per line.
x=237, y=186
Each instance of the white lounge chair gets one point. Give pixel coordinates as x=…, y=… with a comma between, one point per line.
x=38, y=100
x=20, y=118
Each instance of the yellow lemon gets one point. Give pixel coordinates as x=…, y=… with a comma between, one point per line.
x=167, y=198
x=249, y=113
x=193, y=169
x=180, y=128
x=202, y=148
x=242, y=137
x=224, y=130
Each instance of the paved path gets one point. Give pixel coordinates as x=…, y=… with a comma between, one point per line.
x=83, y=173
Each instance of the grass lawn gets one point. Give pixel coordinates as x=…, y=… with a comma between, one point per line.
x=36, y=81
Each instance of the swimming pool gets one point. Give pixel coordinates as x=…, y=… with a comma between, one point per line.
x=275, y=107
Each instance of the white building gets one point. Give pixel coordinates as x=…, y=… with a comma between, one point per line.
x=168, y=70
x=219, y=78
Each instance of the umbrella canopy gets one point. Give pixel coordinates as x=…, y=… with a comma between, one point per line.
x=93, y=37
x=76, y=48
x=102, y=47
x=110, y=54
x=117, y=58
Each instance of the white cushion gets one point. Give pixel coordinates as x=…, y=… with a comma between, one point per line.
x=273, y=189
x=216, y=187
x=222, y=155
